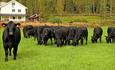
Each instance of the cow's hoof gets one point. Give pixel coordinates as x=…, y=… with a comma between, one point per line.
x=14, y=58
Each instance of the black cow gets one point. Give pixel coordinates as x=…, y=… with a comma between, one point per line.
x=70, y=34
x=38, y=33
x=47, y=34
x=28, y=31
x=80, y=35
x=60, y=36
x=54, y=30
x=111, y=35
x=11, y=38
x=97, y=34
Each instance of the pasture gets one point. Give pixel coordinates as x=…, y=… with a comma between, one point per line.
x=100, y=56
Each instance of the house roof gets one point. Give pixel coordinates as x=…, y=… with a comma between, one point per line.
x=2, y=4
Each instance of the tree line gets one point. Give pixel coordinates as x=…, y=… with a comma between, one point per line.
x=69, y=7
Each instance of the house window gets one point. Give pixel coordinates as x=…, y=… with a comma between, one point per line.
x=13, y=10
x=13, y=4
x=13, y=17
x=19, y=10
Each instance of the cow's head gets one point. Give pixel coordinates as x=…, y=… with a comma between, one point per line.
x=11, y=27
x=93, y=39
x=108, y=39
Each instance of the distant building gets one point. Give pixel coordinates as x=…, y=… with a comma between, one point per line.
x=34, y=17
x=12, y=11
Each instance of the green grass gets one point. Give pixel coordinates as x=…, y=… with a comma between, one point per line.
x=66, y=19
x=100, y=56
x=87, y=19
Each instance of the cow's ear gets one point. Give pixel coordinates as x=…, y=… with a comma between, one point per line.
x=18, y=24
x=4, y=24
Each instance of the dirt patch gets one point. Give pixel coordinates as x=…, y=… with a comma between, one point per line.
x=76, y=24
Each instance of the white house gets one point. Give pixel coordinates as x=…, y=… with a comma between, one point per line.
x=12, y=11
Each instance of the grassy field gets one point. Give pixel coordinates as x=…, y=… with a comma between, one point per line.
x=87, y=19
x=100, y=56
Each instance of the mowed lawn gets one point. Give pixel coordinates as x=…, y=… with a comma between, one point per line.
x=100, y=56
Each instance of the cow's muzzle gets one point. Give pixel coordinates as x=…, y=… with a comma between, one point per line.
x=10, y=33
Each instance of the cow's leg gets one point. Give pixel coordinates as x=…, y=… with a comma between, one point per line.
x=55, y=42
x=15, y=52
x=61, y=42
x=10, y=49
x=100, y=39
x=68, y=42
x=77, y=42
x=6, y=53
x=38, y=42
x=51, y=40
x=82, y=41
x=74, y=43
x=96, y=40
x=110, y=41
x=45, y=42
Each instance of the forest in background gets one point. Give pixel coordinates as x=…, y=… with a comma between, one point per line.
x=103, y=8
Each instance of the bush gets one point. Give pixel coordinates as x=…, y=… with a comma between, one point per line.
x=55, y=20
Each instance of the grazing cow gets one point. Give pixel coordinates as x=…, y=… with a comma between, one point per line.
x=35, y=32
x=80, y=35
x=47, y=34
x=54, y=30
x=111, y=35
x=11, y=38
x=70, y=34
x=38, y=33
x=97, y=34
x=27, y=31
x=30, y=33
x=60, y=36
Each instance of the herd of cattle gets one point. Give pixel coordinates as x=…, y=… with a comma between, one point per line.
x=66, y=35
x=58, y=35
